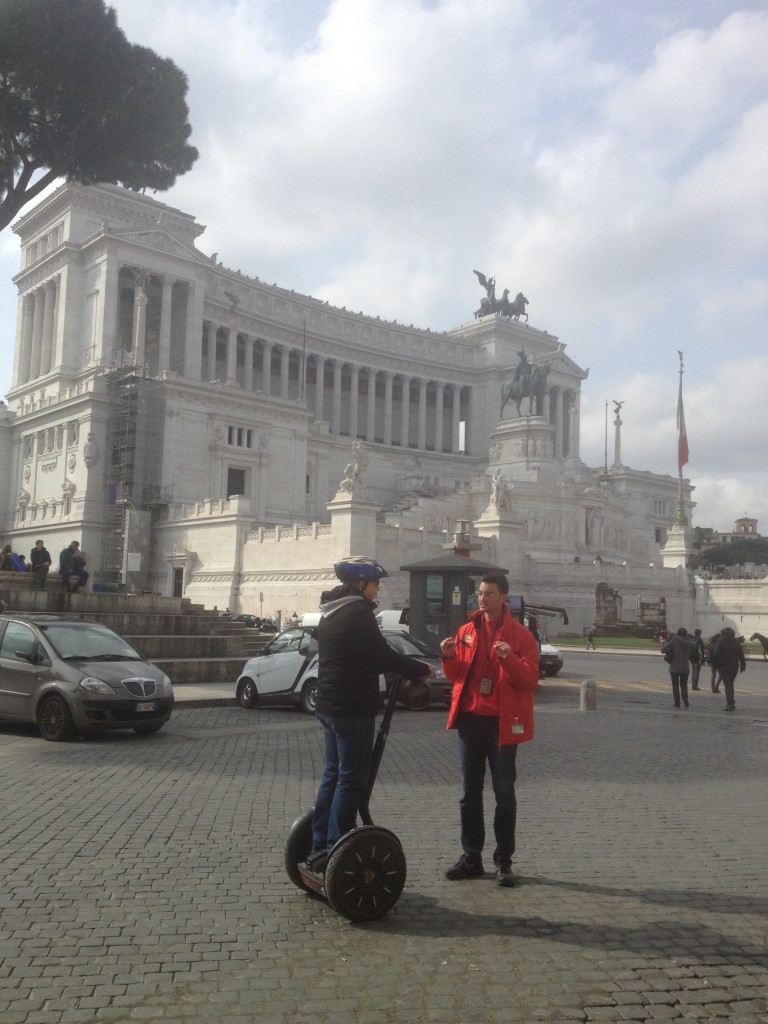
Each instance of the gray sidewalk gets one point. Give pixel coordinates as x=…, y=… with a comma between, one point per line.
x=143, y=877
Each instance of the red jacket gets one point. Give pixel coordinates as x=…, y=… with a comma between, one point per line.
x=517, y=674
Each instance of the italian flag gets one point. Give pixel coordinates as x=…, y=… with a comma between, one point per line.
x=682, y=436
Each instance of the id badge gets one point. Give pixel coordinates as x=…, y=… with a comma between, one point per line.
x=517, y=728
x=486, y=685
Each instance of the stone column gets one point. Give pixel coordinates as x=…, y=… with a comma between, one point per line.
x=266, y=367
x=422, y=442
x=166, y=303
x=319, y=387
x=388, y=408
x=546, y=411
x=193, y=332
x=439, y=395
x=37, y=335
x=140, y=319
x=354, y=396
x=232, y=352
x=211, y=332
x=336, y=412
x=558, y=423
x=109, y=298
x=26, y=339
x=370, y=429
x=49, y=319
x=405, y=413
x=248, y=363
x=617, y=441
x=285, y=370
x=455, y=418
x=576, y=425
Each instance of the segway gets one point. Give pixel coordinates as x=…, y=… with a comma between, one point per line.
x=365, y=871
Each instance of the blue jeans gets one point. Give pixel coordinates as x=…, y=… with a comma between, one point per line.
x=479, y=741
x=348, y=749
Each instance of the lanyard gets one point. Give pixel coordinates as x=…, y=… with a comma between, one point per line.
x=489, y=647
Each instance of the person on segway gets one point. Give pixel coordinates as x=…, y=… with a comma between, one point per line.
x=352, y=653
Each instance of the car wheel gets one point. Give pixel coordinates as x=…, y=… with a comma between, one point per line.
x=309, y=696
x=551, y=671
x=150, y=727
x=247, y=694
x=54, y=720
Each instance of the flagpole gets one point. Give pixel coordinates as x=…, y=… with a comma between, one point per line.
x=682, y=449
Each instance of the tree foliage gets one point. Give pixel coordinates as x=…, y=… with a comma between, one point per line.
x=737, y=552
x=78, y=101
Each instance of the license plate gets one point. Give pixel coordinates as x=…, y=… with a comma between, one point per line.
x=147, y=706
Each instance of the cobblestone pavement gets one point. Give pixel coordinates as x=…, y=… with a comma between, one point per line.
x=142, y=877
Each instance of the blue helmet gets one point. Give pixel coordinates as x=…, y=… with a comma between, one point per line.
x=358, y=567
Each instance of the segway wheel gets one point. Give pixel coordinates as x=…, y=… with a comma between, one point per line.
x=365, y=873
x=298, y=847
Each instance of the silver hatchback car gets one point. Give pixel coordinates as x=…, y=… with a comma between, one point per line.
x=71, y=676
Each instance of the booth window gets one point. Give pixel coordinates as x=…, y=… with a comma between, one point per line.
x=436, y=595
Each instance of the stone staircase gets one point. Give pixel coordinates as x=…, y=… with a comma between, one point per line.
x=187, y=641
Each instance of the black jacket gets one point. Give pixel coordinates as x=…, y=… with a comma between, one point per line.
x=353, y=653
x=728, y=654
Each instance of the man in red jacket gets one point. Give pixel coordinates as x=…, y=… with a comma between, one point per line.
x=493, y=663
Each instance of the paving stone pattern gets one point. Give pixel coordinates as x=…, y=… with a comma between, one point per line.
x=142, y=877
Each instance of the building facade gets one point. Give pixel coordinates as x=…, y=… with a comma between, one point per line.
x=194, y=428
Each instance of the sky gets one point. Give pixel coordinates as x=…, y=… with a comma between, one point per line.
x=608, y=159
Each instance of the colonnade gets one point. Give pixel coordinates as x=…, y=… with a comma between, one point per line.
x=39, y=310
x=355, y=400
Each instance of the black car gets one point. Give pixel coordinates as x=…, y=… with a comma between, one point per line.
x=402, y=641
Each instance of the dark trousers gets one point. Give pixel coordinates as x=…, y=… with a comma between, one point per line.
x=679, y=687
x=479, y=741
x=40, y=576
x=695, y=670
x=348, y=749
x=80, y=577
x=729, y=678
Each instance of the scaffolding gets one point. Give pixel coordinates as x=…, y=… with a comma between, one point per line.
x=135, y=429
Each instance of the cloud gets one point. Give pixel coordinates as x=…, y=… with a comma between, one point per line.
x=609, y=161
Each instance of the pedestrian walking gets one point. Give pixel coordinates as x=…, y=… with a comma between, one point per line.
x=696, y=657
x=716, y=677
x=677, y=652
x=591, y=637
x=493, y=663
x=728, y=658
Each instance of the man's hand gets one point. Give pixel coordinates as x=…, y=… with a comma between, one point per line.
x=502, y=648
x=448, y=647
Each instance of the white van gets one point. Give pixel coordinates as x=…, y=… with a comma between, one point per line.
x=393, y=618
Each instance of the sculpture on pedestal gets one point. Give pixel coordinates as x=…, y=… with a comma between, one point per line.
x=490, y=304
x=351, y=482
x=501, y=494
x=527, y=382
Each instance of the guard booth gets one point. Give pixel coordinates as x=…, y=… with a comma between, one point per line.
x=443, y=595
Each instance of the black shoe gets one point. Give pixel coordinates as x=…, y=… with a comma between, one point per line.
x=729, y=707
x=504, y=874
x=695, y=687
x=316, y=861
x=466, y=867
x=685, y=703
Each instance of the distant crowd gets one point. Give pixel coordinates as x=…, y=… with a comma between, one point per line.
x=731, y=572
